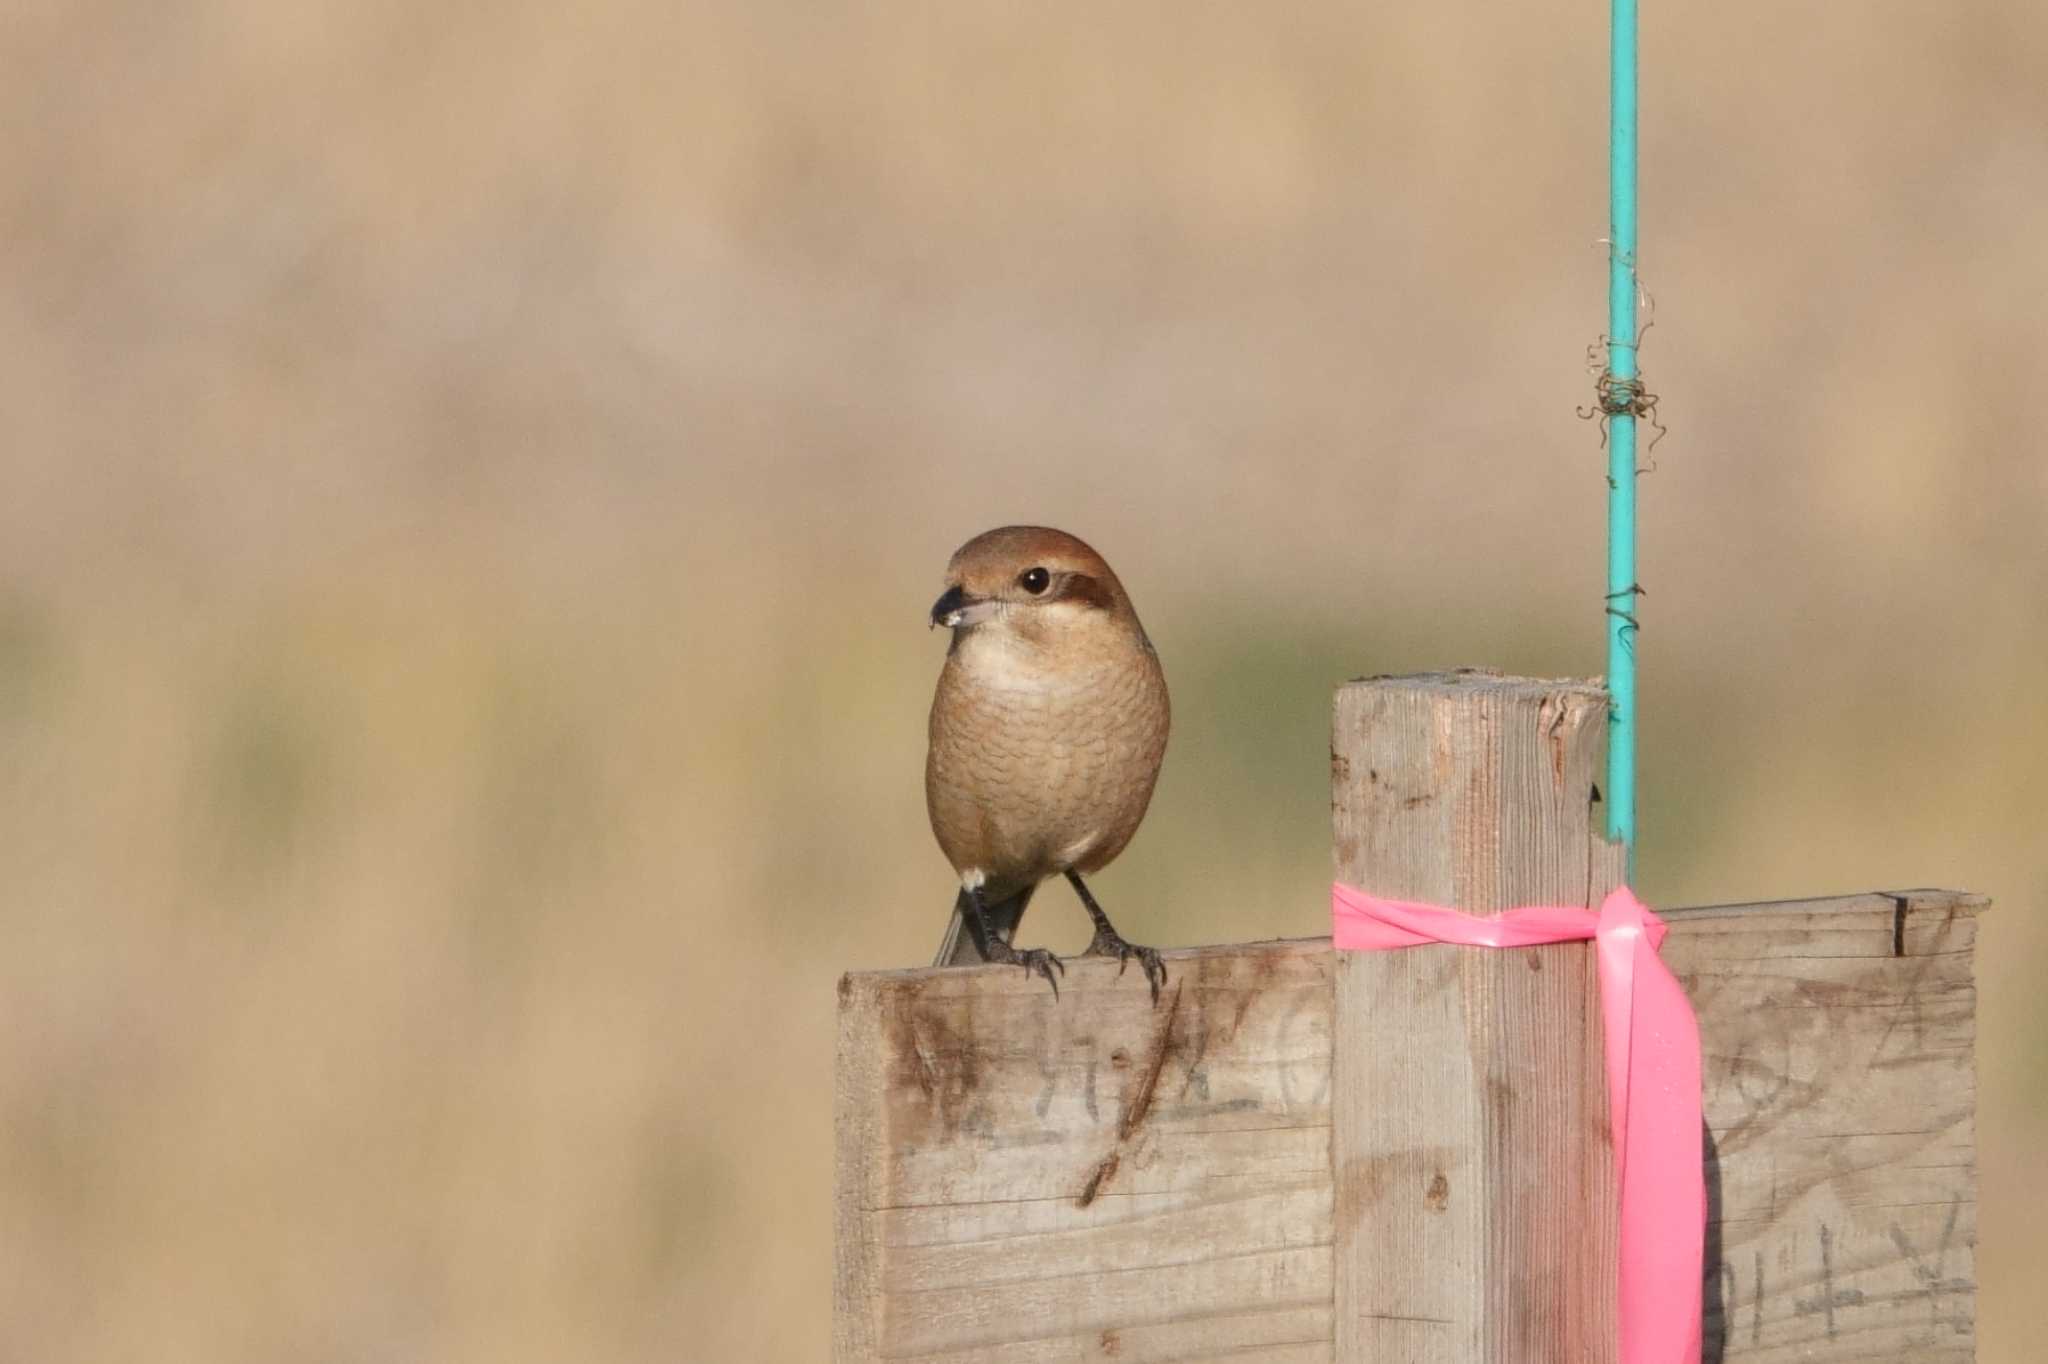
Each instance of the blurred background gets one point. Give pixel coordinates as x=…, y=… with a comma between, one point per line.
x=476, y=475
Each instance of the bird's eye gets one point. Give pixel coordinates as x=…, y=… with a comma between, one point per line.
x=1034, y=580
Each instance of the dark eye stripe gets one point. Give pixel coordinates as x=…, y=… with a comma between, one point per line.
x=1079, y=587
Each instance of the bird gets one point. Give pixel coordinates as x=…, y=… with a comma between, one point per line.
x=1047, y=731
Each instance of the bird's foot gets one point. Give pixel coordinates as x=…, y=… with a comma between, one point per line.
x=1034, y=960
x=1109, y=943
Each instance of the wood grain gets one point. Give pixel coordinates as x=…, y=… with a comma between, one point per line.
x=1089, y=1177
x=1471, y=1153
x=977, y=1113
x=1840, y=1096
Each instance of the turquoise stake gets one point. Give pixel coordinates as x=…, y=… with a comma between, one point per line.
x=1618, y=393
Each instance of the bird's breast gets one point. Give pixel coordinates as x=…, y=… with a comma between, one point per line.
x=1035, y=765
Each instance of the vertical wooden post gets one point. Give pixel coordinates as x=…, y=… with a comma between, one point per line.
x=1473, y=1216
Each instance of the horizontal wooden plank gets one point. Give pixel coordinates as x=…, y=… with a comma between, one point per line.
x=1840, y=1097
x=1093, y=1176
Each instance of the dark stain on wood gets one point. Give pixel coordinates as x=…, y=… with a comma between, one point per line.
x=1360, y=1185
x=1365, y=1180
x=935, y=1065
x=1103, y=1173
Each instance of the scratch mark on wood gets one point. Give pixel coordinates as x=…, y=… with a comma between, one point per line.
x=1756, y=1311
x=1933, y=1285
x=1830, y=1297
x=921, y=1047
x=1197, y=1077
x=1138, y=1106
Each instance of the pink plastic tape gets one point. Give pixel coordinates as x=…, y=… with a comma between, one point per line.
x=1653, y=1088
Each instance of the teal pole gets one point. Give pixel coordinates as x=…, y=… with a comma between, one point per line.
x=1621, y=431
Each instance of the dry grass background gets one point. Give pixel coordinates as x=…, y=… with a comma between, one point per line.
x=475, y=475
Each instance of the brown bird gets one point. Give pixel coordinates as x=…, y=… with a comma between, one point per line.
x=1046, y=735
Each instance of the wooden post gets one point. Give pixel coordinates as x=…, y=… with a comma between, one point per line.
x=1474, y=1219
x=1302, y=1156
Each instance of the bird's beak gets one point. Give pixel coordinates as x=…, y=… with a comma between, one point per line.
x=957, y=610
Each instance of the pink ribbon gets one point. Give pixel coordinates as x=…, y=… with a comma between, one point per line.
x=1653, y=1088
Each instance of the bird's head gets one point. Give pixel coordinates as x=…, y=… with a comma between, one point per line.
x=1033, y=583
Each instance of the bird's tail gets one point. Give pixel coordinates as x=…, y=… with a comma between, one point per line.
x=958, y=948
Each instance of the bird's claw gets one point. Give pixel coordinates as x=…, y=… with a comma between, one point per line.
x=1034, y=960
x=1109, y=944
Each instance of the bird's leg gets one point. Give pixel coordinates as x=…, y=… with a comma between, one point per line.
x=993, y=948
x=1110, y=943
